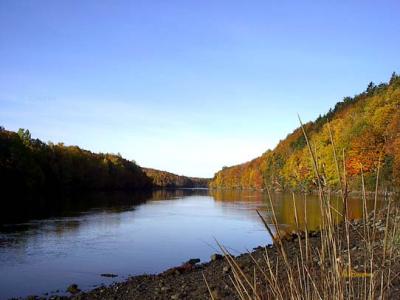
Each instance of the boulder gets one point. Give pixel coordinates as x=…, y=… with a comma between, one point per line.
x=73, y=289
x=216, y=256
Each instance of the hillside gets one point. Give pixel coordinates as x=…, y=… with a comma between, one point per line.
x=170, y=180
x=366, y=134
x=28, y=165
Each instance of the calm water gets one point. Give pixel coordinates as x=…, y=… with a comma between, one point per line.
x=130, y=234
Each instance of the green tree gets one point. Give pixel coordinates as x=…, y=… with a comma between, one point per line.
x=25, y=136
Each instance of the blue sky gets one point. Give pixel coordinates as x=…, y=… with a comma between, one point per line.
x=186, y=86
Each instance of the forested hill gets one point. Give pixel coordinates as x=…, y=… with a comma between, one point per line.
x=170, y=180
x=365, y=128
x=29, y=166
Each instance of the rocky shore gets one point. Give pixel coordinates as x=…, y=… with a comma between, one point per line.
x=189, y=280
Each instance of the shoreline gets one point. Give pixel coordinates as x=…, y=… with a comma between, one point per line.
x=352, y=193
x=188, y=280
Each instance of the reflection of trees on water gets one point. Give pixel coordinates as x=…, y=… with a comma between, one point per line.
x=60, y=215
x=19, y=210
x=61, y=205
x=238, y=196
x=308, y=207
x=69, y=214
x=169, y=194
x=309, y=210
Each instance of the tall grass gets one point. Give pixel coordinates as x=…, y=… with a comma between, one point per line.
x=348, y=261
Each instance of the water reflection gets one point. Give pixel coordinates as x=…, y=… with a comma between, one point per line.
x=19, y=210
x=308, y=207
x=133, y=233
x=62, y=206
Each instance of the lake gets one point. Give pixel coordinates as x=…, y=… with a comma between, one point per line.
x=131, y=234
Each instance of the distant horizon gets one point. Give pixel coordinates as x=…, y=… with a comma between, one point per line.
x=186, y=87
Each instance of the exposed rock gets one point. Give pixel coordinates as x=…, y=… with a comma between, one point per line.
x=73, y=289
x=108, y=275
x=216, y=256
x=192, y=261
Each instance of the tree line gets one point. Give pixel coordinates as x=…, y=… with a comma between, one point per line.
x=29, y=166
x=170, y=180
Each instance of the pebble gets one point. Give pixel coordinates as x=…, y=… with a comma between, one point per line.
x=165, y=289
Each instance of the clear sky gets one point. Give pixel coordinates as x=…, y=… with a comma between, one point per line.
x=186, y=86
